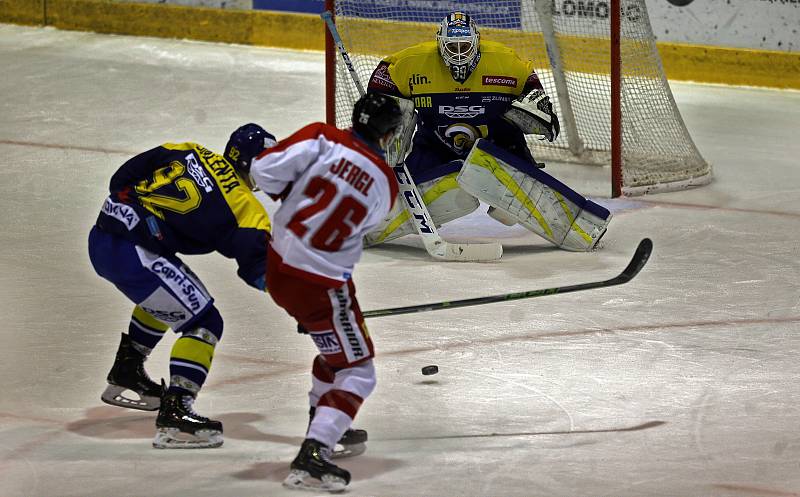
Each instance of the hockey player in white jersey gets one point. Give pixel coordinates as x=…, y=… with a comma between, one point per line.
x=334, y=186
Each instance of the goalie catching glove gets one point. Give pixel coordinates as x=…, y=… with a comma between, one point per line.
x=534, y=115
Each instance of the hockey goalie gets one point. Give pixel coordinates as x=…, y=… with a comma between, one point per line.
x=468, y=106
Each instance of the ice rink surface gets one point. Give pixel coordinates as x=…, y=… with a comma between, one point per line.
x=684, y=382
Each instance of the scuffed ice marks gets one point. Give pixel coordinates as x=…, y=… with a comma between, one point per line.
x=249, y=58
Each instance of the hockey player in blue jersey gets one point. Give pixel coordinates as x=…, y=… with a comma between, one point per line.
x=474, y=96
x=177, y=198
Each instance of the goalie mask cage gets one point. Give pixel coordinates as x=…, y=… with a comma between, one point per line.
x=597, y=60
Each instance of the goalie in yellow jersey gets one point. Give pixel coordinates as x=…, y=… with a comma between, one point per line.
x=474, y=102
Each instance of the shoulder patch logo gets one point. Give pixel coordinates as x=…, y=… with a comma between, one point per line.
x=500, y=81
x=381, y=78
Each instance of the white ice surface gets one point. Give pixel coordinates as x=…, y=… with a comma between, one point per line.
x=684, y=382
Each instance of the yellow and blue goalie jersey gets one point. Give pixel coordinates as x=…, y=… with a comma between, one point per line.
x=182, y=198
x=456, y=113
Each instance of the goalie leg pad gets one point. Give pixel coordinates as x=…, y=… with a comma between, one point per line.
x=539, y=202
x=442, y=195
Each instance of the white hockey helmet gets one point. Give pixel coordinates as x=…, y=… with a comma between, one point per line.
x=459, y=44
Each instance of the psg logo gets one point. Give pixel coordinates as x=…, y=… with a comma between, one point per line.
x=680, y=3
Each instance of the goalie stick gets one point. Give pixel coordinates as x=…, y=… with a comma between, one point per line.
x=636, y=264
x=435, y=245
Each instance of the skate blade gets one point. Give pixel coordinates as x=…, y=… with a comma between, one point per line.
x=113, y=395
x=350, y=450
x=173, y=438
x=302, y=480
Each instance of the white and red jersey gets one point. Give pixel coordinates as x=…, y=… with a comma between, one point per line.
x=338, y=190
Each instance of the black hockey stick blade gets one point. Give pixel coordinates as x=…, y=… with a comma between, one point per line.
x=638, y=260
x=636, y=264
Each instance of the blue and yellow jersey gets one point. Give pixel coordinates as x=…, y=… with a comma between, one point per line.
x=456, y=113
x=183, y=198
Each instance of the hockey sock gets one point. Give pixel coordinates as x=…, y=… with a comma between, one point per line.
x=145, y=331
x=192, y=354
x=336, y=408
x=329, y=424
x=322, y=377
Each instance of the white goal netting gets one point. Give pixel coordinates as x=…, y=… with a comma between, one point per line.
x=569, y=42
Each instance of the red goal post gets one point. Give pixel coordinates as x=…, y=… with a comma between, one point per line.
x=597, y=60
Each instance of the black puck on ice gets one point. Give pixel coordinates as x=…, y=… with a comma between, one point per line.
x=429, y=370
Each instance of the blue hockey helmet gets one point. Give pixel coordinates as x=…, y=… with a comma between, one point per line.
x=459, y=44
x=245, y=144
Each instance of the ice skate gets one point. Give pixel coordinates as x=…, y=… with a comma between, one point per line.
x=179, y=427
x=352, y=443
x=128, y=375
x=312, y=470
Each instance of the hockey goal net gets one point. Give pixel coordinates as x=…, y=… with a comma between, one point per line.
x=597, y=59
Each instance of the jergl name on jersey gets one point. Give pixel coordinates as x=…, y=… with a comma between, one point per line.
x=354, y=175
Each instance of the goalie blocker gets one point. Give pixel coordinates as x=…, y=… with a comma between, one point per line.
x=533, y=198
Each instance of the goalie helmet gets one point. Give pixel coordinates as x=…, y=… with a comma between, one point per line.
x=459, y=44
x=245, y=144
x=375, y=116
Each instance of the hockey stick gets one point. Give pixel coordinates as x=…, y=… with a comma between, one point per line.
x=631, y=270
x=328, y=18
x=437, y=247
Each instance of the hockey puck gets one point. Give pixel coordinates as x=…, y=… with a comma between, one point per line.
x=429, y=370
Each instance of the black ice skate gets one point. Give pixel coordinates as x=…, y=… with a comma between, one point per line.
x=312, y=470
x=179, y=427
x=352, y=443
x=128, y=375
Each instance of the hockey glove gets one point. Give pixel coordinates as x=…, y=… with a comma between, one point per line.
x=534, y=115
